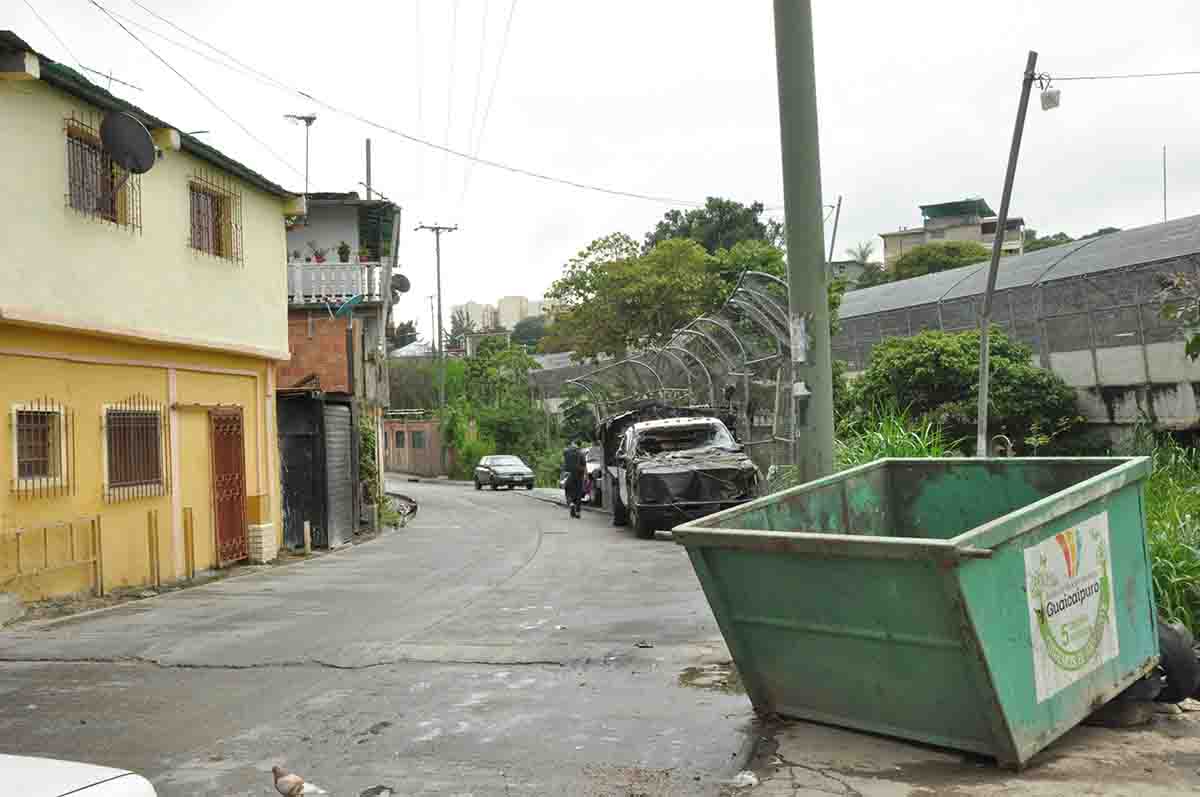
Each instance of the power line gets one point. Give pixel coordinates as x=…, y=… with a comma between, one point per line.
x=412, y=138
x=197, y=89
x=450, y=80
x=1125, y=77
x=487, y=108
x=57, y=38
x=478, y=77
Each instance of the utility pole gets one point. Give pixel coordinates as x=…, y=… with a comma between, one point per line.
x=837, y=214
x=808, y=304
x=308, y=120
x=368, y=168
x=437, y=231
x=985, y=317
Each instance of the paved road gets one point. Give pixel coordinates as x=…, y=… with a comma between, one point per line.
x=489, y=648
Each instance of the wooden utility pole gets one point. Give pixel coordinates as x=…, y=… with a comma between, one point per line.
x=437, y=231
x=985, y=317
x=808, y=304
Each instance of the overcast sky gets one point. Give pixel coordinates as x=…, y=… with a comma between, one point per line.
x=674, y=98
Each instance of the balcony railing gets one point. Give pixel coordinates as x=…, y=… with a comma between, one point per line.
x=333, y=283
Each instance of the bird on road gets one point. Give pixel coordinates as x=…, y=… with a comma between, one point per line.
x=292, y=785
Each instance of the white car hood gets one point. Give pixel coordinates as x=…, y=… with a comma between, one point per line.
x=48, y=777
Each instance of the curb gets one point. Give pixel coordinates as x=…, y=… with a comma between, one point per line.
x=410, y=478
x=563, y=503
x=40, y=624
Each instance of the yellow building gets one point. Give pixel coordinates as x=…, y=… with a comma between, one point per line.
x=141, y=318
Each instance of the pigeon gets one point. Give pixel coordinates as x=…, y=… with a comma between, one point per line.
x=291, y=785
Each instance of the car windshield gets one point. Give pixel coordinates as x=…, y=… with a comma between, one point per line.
x=681, y=438
x=507, y=461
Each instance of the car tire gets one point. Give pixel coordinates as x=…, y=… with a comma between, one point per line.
x=644, y=530
x=494, y=486
x=1178, y=662
x=529, y=487
x=620, y=515
x=478, y=486
x=508, y=487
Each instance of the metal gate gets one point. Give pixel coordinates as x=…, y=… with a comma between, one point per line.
x=340, y=471
x=228, y=485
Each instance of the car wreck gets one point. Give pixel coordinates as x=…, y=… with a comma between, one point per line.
x=669, y=470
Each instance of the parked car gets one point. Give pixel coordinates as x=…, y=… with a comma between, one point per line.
x=677, y=469
x=48, y=777
x=503, y=470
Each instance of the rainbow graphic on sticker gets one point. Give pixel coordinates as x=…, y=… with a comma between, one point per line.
x=1071, y=544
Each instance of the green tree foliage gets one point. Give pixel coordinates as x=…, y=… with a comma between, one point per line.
x=720, y=224
x=461, y=325
x=935, y=375
x=873, y=274
x=1182, y=294
x=529, y=331
x=1033, y=243
x=938, y=256
x=612, y=299
x=861, y=252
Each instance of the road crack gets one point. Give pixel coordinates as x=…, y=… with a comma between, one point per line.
x=847, y=789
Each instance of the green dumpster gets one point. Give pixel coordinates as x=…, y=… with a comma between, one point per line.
x=986, y=605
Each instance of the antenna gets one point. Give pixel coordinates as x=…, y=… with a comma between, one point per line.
x=308, y=120
x=129, y=145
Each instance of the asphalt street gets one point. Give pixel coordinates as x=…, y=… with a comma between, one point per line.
x=491, y=647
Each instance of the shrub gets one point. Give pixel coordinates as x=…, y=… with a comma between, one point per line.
x=887, y=431
x=936, y=376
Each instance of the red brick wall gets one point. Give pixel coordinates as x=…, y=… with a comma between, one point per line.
x=318, y=346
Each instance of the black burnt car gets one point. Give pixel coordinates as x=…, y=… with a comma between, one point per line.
x=670, y=470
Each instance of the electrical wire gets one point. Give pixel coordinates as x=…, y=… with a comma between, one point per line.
x=419, y=140
x=450, y=82
x=478, y=78
x=199, y=91
x=418, y=164
x=57, y=38
x=487, y=108
x=1125, y=77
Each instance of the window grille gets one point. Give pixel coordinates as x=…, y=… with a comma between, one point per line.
x=43, y=446
x=216, y=216
x=136, y=449
x=97, y=187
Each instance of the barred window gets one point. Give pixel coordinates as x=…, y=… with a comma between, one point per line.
x=96, y=186
x=43, y=448
x=216, y=216
x=135, y=449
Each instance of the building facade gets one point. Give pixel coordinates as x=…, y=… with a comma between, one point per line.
x=339, y=306
x=142, y=318
x=962, y=220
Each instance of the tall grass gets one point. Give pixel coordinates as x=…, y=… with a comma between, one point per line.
x=888, y=431
x=1172, y=524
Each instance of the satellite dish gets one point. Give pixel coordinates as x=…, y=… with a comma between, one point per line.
x=400, y=283
x=127, y=142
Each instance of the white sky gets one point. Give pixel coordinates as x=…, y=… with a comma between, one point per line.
x=674, y=98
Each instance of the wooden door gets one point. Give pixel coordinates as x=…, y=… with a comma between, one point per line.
x=228, y=485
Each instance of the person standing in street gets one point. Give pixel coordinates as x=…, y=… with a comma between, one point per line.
x=575, y=465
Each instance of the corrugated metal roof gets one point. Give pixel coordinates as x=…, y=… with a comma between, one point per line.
x=1148, y=244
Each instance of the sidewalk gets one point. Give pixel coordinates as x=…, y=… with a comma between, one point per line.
x=553, y=495
x=803, y=758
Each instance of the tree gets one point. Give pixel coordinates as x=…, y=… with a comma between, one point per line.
x=402, y=334
x=1181, y=293
x=1099, y=232
x=611, y=299
x=529, y=331
x=873, y=274
x=461, y=325
x=936, y=375
x=939, y=256
x=720, y=224
x=861, y=253
x=1033, y=243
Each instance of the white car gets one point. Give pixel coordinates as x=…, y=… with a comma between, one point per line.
x=48, y=777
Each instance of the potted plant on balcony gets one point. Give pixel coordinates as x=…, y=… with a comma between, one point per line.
x=364, y=254
x=343, y=251
x=318, y=252
x=296, y=255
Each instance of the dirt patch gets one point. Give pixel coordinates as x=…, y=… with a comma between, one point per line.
x=720, y=677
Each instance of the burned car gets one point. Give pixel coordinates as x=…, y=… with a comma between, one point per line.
x=676, y=469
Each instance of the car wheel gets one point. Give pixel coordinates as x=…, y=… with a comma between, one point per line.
x=1178, y=663
x=529, y=487
x=494, y=486
x=645, y=531
x=620, y=516
x=478, y=486
x=509, y=487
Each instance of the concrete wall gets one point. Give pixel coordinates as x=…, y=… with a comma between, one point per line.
x=78, y=272
x=85, y=372
x=328, y=225
x=402, y=456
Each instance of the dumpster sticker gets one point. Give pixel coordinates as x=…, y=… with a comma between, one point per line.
x=1068, y=580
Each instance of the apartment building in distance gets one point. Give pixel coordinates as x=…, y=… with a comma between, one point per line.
x=960, y=220
x=505, y=314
